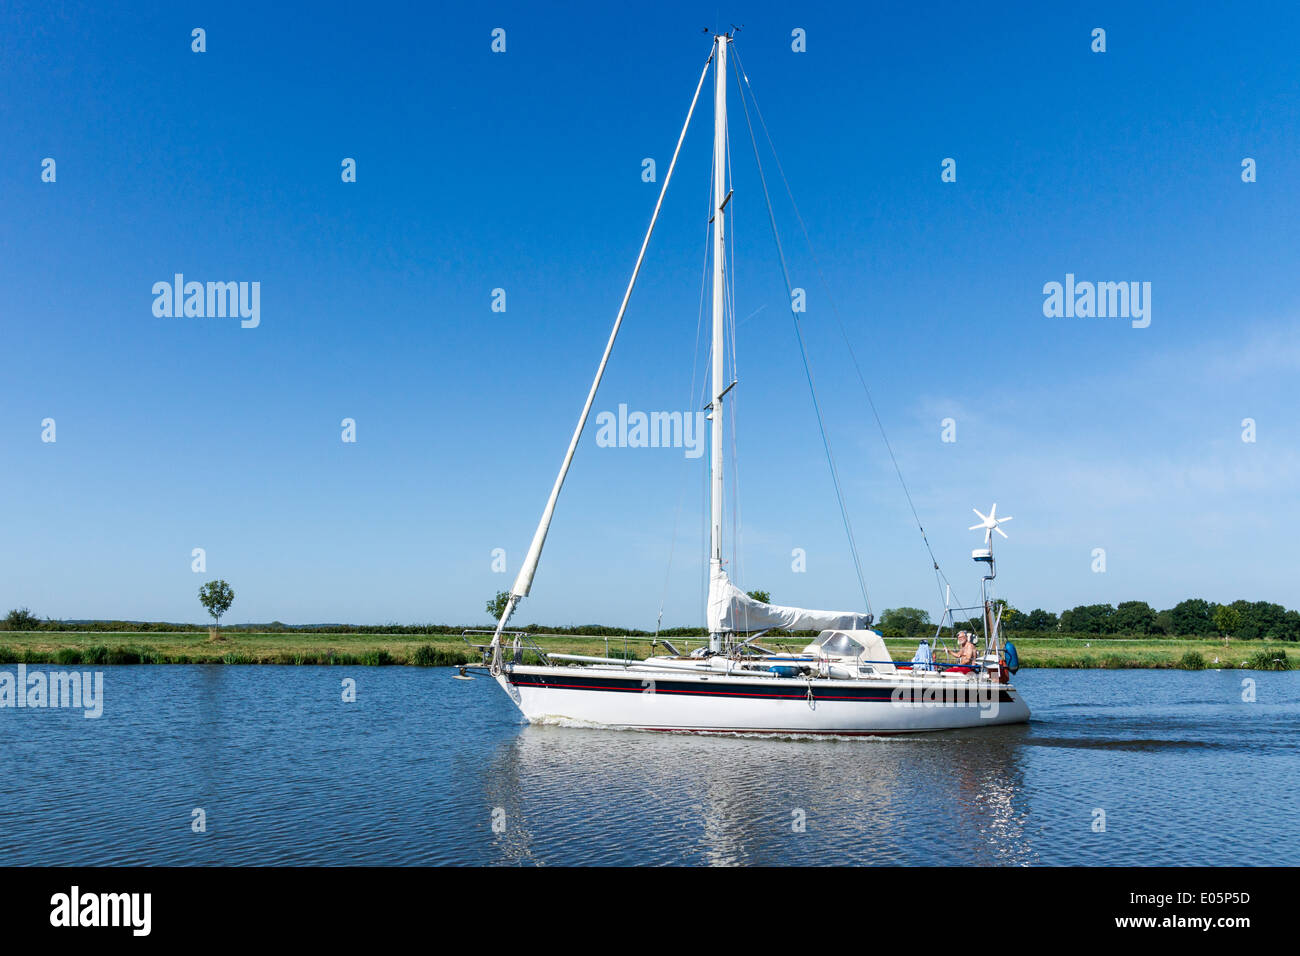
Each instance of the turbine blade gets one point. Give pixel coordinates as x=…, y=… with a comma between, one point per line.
x=1000, y=531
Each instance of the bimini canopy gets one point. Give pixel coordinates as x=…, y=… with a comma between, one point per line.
x=731, y=609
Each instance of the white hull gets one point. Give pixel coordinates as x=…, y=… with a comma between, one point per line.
x=720, y=703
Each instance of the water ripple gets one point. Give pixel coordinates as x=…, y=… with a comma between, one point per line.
x=425, y=770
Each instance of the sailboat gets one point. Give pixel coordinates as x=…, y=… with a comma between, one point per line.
x=843, y=682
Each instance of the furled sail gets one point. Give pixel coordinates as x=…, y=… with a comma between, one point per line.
x=731, y=609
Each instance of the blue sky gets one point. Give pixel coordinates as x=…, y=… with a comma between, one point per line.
x=522, y=171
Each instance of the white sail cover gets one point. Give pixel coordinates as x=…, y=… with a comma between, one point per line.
x=731, y=609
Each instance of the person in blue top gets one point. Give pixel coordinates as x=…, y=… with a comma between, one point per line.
x=923, y=659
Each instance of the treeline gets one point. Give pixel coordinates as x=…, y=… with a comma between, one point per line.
x=1195, y=617
x=23, y=620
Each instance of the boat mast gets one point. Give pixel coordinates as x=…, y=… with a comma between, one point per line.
x=720, y=197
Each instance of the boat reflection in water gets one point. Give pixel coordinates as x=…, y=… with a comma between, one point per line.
x=954, y=798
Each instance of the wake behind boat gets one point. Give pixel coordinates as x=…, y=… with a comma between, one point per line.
x=843, y=682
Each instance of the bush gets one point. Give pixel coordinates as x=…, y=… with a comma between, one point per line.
x=424, y=656
x=20, y=619
x=67, y=655
x=379, y=658
x=1192, y=661
x=95, y=655
x=1270, y=660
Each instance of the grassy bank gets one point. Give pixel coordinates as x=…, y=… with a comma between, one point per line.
x=297, y=647
x=1176, y=653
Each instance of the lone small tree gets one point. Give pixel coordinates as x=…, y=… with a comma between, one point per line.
x=763, y=596
x=497, y=606
x=217, y=597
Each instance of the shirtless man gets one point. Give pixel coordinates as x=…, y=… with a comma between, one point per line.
x=967, y=653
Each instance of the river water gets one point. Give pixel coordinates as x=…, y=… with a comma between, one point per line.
x=1116, y=768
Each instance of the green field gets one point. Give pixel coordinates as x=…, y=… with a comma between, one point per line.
x=299, y=647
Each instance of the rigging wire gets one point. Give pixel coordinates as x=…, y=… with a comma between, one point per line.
x=705, y=401
x=803, y=353
x=729, y=334
x=940, y=577
x=690, y=400
x=738, y=523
